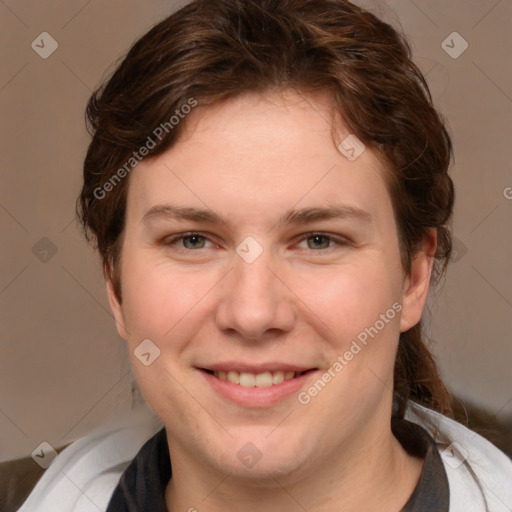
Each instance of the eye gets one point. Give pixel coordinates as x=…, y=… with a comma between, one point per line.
x=318, y=241
x=187, y=241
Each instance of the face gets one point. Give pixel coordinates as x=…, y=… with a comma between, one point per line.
x=264, y=266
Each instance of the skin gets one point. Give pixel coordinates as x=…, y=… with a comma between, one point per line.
x=251, y=159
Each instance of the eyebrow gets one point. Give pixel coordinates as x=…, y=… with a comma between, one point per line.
x=292, y=217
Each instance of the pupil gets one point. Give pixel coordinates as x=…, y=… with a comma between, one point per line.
x=192, y=240
x=319, y=241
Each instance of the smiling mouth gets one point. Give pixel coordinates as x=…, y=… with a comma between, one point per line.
x=259, y=380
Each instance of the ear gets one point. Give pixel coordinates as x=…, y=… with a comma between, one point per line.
x=416, y=285
x=115, y=304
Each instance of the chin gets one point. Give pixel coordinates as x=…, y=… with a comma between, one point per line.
x=257, y=455
x=266, y=470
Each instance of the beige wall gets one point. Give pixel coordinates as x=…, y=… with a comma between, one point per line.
x=63, y=369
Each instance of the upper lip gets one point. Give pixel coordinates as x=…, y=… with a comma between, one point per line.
x=271, y=366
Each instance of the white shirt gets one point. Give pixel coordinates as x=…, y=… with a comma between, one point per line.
x=82, y=478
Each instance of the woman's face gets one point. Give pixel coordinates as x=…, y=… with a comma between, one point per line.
x=254, y=246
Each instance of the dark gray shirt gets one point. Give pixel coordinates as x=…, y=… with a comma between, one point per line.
x=142, y=485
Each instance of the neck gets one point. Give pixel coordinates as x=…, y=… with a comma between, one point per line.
x=357, y=476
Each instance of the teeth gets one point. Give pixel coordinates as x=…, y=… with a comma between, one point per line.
x=260, y=380
x=233, y=377
x=247, y=380
x=264, y=380
x=277, y=377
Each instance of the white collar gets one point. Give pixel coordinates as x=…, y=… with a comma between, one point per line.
x=477, y=471
x=84, y=475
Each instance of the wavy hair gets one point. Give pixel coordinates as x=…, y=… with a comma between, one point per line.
x=212, y=51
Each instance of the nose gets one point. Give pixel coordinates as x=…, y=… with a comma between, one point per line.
x=256, y=303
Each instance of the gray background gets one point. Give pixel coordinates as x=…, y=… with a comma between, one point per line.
x=63, y=369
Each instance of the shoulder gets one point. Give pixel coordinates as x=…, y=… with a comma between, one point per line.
x=479, y=474
x=83, y=476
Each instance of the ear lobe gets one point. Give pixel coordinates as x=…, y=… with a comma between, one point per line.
x=416, y=285
x=115, y=304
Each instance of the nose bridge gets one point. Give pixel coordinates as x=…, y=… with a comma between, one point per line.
x=254, y=279
x=251, y=267
x=255, y=301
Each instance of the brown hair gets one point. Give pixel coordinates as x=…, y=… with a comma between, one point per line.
x=210, y=51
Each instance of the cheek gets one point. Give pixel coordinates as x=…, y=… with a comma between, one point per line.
x=349, y=299
x=358, y=309
x=158, y=301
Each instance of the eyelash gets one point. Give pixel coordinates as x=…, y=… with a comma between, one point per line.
x=176, y=238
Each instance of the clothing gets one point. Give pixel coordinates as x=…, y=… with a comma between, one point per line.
x=433, y=490
x=142, y=485
x=85, y=475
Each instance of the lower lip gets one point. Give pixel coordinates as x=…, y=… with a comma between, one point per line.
x=255, y=396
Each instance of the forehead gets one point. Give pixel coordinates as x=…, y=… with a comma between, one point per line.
x=260, y=152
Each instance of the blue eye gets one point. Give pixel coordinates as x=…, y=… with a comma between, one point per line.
x=195, y=241
x=318, y=241
x=189, y=241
